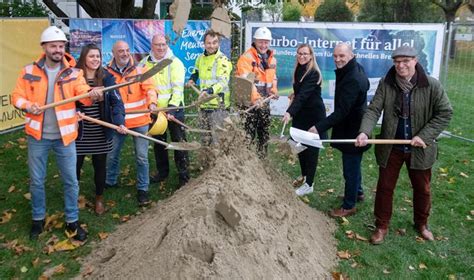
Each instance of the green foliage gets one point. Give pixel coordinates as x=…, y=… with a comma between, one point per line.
x=18, y=9
x=400, y=11
x=291, y=12
x=333, y=10
x=199, y=13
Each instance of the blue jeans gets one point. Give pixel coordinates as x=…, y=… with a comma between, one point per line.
x=66, y=163
x=353, y=177
x=141, y=158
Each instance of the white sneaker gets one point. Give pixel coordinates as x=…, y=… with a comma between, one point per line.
x=304, y=190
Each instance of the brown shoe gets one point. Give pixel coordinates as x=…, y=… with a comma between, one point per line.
x=378, y=236
x=425, y=233
x=341, y=212
x=99, y=205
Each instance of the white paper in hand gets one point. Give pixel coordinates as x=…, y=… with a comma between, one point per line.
x=306, y=137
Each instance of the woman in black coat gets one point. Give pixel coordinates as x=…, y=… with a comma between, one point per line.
x=306, y=109
x=94, y=139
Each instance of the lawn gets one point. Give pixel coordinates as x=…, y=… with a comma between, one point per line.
x=402, y=256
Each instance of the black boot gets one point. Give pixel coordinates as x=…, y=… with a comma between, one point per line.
x=75, y=231
x=142, y=197
x=37, y=228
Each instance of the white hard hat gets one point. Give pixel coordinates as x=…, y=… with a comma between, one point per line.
x=263, y=33
x=52, y=34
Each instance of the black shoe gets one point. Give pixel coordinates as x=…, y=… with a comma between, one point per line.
x=155, y=179
x=75, y=231
x=37, y=228
x=142, y=197
x=107, y=186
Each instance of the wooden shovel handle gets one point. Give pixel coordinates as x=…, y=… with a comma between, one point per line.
x=256, y=105
x=195, y=88
x=65, y=101
x=131, y=132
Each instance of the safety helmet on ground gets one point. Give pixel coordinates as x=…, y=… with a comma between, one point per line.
x=160, y=125
x=263, y=33
x=53, y=34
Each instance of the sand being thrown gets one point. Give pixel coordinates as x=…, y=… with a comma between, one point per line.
x=184, y=237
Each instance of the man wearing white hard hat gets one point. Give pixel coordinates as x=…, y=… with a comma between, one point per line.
x=260, y=61
x=50, y=79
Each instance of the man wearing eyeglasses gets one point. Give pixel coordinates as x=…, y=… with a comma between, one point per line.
x=416, y=107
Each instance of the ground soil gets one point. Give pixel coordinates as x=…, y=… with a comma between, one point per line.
x=189, y=235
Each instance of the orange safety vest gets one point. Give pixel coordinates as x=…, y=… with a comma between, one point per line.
x=134, y=96
x=32, y=87
x=265, y=79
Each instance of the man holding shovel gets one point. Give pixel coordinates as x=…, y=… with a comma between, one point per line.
x=350, y=103
x=260, y=61
x=50, y=79
x=169, y=84
x=136, y=96
x=415, y=106
x=213, y=71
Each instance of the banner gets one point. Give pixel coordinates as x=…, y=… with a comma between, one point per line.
x=19, y=45
x=138, y=34
x=372, y=43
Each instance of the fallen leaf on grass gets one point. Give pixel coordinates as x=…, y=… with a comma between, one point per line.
x=48, y=273
x=116, y=216
x=472, y=212
x=111, y=203
x=386, y=271
x=11, y=189
x=125, y=218
x=403, y=209
x=46, y=261
x=305, y=199
x=344, y=221
x=443, y=170
x=452, y=180
x=420, y=239
x=128, y=195
x=35, y=262
x=350, y=234
x=6, y=217
x=464, y=175
x=27, y=196
x=338, y=276
x=103, y=235
x=81, y=202
x=23, y=269
x=451, y=277
x=2, y=236
x=345, y=255
x=354, y=265
x=22, y=147
x=410, y=267
x=67, y=245
x=467, y=218
x=55, y=176
x=401, y=231
x=21, y=140
x=361, y=238
x=422, y=266
x=441, y=238
x=330, y=190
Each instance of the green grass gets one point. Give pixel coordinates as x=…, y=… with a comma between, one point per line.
x=453, y=196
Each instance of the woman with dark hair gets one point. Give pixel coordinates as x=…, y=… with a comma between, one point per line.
x=96, y=140
x=306, y=109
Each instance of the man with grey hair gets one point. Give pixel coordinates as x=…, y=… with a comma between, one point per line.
x=350, y=103
x=416, y=107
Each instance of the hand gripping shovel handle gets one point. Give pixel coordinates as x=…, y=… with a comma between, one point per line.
x=135, y=79
x=131, y=132
x=256, y=105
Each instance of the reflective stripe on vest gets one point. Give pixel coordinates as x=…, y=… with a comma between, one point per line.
x=132, y=116
x=65, y=114
x=135, y=104
x=67, y=129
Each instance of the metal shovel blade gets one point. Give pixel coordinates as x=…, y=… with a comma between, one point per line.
x=295, y=147
x=183, y=146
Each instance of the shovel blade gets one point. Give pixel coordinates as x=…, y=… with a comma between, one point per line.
x=184, y=146
x=296, y=148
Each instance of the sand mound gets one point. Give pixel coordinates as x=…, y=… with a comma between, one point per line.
x=239, y=220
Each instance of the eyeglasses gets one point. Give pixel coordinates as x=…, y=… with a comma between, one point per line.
x=303, y=54
x=402, y=61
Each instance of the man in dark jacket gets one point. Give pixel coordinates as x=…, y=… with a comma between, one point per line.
x=350, y=103
x=416, y=107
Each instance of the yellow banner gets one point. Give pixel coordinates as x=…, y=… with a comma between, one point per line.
x=19, y=45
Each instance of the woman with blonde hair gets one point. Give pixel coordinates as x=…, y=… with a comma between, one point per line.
x=306, y=109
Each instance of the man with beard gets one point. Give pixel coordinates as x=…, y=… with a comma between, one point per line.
x=51, y=79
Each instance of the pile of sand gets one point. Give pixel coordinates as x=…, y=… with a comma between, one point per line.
x=196, y=234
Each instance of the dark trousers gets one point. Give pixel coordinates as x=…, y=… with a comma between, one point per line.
x=308, y=163
x=257, y=125
x=99, y=162
x=388, y=176
x=181, y=158
x=353, y=179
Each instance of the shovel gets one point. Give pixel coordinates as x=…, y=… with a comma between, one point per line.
x=134, y=79
x=258, y=104
x=285, y=144
x=187, y=127
x=180, y=146
x=242, y=89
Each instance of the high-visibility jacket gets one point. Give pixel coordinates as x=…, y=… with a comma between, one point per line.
x=265, y=75
x=137, y=96
x=169, y=82
x=32, y=87
x=214, y=73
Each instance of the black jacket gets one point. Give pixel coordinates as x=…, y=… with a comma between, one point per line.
x=350, y=104
x=307, y=107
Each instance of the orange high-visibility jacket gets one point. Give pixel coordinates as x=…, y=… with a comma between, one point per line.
x=135, y=96
x=265, y=79
x=32, y=87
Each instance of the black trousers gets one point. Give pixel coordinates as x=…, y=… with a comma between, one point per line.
x=308, y=163
x=257, y=125
x=181, y=158
x=99, y=162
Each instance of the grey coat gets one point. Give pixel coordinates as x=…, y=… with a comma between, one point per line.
x=430, y=112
